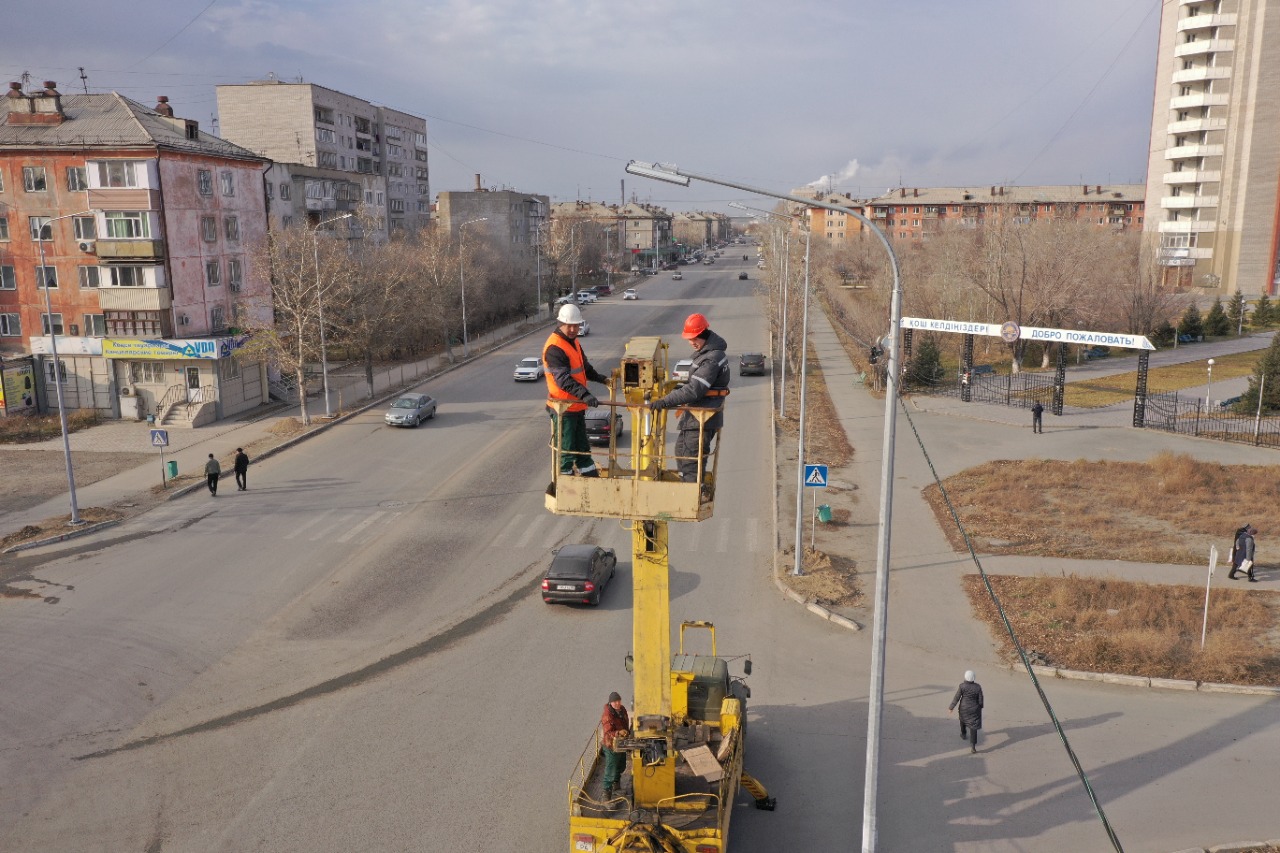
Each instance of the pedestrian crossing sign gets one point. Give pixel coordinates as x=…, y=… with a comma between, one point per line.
x=159, y=438
x=815, y=476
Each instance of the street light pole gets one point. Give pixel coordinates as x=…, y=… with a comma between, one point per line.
x=57, y=365
x=1208, y=387
x=798, y=568
x=324, y=355
x=462, y=279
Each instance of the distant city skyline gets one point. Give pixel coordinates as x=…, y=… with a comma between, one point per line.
x=857, y=97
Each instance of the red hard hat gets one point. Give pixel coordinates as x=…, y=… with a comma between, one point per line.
x=695, y=325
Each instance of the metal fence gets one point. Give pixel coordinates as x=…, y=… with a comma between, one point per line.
x=1020, y=390
x=1166, y=411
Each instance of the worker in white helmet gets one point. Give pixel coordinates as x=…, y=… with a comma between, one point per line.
x=567, y=373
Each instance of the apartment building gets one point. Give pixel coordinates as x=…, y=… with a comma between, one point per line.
x=514, y=222
x=345, y=154
x=139, y=229
x=647, y=233
x=1213, y=177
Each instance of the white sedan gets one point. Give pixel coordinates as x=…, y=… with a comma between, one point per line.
x=529, y=370
x=629, y=294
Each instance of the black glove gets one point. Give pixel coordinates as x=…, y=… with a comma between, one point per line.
x=591, y=401
x=657, y=405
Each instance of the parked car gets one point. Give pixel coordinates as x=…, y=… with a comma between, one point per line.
x=411, y=410
x=629, y=293
x=759, y=265
x=571, y=299
x=653, y=272
x=708, y=261
x=529, y=370
x=751, y=364
x=1096, y=352
x=980, y=370
x=680, y=373
x=584, y=328
x=1229, y=402
x=742, y=276
x=598, y=424
x=578, y=574
x=585, y=296
x=604, y=290
x=677, y=276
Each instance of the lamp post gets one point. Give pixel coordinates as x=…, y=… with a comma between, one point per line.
x=324, y=355
x=1209, y=387
x=462, y=280
x=57, y=365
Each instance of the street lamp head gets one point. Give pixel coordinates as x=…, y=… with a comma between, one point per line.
x=658, y=172
x=1211, y=362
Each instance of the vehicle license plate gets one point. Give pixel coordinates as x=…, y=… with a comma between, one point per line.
x=565, y=586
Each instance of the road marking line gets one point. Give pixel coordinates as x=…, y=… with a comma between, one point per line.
x=753, y=534
x=315, y=519
x=697, y=537
x=506, y=528
x=558, y=532
x=528, y=533
x=722, y=541
x=346, y=537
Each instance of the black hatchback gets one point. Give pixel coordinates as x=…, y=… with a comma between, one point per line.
x=751, y=363
x=599, y=422
x=578, y=573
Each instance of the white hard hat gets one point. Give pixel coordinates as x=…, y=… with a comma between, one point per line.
x=968, y=675
x=570, y=314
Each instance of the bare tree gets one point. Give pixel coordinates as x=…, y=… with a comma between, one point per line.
x=375, y=293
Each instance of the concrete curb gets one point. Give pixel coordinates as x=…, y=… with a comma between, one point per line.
x=1144, y=681
x=1233, y=847
x=71, y=534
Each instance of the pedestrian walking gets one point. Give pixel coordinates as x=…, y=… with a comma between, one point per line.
x=1242, y=553
x=567, y=374
x=1037, y=417
x=241, y=466
x=969, y=698
x=212, y=471
x=707, y=387
x=614, y=724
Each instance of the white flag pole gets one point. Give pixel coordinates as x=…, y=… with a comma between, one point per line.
x=1213, y=564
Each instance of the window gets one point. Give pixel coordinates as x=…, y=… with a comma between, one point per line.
x=229, y=368
x=90, y=276
x=232, y=225
x=1, y=182
x=324, y=114
x=57, y=330
x=10, y=325
x=95, y=325
x=127, y=277
x=147, y=372
x=213, y=273
x=127, y=224
x=46, y=277
x=324, y=134
x=85, y=227
x=397, y=205
x=235, y=275
x=34, y=179
x=41, y=229
x=117, y=173
x=8, y=281
x=208, y=229
x=328, y=160
x=217, y=318
x=204, y=182
x=268, y=187
x=136, y=324
x=368, y=196
x=286, y=191
x=228, y=183
x=378, y=195
x=4, y=227
x=77, y=179
x=286, y=221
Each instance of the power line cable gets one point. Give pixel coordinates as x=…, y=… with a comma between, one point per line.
x=172, y=37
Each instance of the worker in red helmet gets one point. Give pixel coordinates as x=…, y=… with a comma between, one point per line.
x=707, y=387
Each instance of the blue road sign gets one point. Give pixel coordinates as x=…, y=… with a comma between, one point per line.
x=815, y=476
x=159, y=438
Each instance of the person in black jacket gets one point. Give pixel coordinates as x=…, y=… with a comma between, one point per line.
x=969, y=698
x=241, y=467
x=1242, y=553
x=707, y=387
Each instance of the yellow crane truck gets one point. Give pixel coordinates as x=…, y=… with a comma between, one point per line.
x=687, y=742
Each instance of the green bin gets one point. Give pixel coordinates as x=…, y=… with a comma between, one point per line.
x=824, y=513
x=172, y=465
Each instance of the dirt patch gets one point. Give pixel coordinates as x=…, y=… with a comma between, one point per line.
x=829, y=579
x=1167, y=510
x=1107, y=625
x=25, y=429
x=33, y=476
x=288, y=427
x=58, y=525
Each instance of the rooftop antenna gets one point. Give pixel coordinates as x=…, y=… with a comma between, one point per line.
x=84, y=80
x=26, y=80
x=213, y=123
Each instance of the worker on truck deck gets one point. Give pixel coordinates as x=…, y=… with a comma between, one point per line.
x=707, y=387
x=567, y=372
x=614, y=724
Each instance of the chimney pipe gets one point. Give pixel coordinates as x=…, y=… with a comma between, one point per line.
x=162, y=106
x=1086, y=189
x=1097, y=190
x=993, y=190
x=902, y=192
x=479, y=186
x=915, y=193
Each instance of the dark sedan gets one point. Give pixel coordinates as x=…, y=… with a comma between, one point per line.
x=598, y=421
x=751, y=363
x=577, y=574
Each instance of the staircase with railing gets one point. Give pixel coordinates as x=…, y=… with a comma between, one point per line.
x=173, y=396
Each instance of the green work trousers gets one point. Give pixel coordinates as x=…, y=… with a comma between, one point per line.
x=614, y=764
x=570, y=435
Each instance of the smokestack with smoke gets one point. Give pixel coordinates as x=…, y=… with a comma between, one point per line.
x=830, y=181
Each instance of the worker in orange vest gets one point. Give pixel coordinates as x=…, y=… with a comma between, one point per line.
x=567, y=374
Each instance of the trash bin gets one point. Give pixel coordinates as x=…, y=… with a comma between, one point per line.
x=824, y=513
x=173, y=469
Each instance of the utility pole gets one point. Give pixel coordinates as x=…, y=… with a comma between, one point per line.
x=84, y=81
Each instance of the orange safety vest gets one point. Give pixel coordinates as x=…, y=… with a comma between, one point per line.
x=577, y=369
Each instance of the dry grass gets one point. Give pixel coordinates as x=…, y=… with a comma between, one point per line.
x=1104, y=625
x=1167, y=510
x=825, y=438
x=829, y=579
x=59, y=525
x=288, y=427
x=1107, y=390
x=21, y=429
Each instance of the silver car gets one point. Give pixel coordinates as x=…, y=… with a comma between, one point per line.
x=528, y=370
x=411, y=410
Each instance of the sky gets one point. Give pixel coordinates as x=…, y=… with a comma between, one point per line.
x=555, y=96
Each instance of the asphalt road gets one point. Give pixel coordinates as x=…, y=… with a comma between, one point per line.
x=353, y=655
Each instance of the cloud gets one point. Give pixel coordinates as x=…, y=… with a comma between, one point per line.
x=846, y=174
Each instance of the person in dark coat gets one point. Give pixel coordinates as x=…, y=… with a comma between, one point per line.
x=1242, y=553
x=1037, y=417
x=242, y=469
x=707, y=387
x=969, y=698
x=614, y=724
x=212, y=471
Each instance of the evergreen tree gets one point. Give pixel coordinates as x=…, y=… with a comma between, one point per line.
x=1216, y=322
x=1191, y=324
x=1263, y=312
x=1238, y=312
x=926, y=363
x=1164, y=334
x=1268, y=367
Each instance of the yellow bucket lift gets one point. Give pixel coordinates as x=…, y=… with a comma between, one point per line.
x=687, y=742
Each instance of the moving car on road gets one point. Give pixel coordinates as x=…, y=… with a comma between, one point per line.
x=629, y=293
x=742, y=276
x=751, y=364
x=577, y=574
x=411, y=410
x=529, y=370
x=598, y=424
x=677, y=276
x=680, y=373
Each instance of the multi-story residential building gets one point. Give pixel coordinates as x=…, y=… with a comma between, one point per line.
x=1213, y=177
x=647, y=233
x=139, y=229
x=593, y=225
x=913, y=213
x=695, y=229
x=515, y=222
x=344, y=153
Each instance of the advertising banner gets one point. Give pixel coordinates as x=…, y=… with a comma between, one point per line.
x=158, y=349
x=18, y=390
x=67, y=346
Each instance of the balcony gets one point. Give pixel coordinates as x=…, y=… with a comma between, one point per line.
x=1191, y=176
x=130, y=250
x=1205, y=22
x=1186, y=226
x=1203, y=73
x=1193, y=125
x=1198, y=100
x=1199, y=48
x=1183, y=152
x=1188, y=202
x=133, y=198
x=134, y=298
